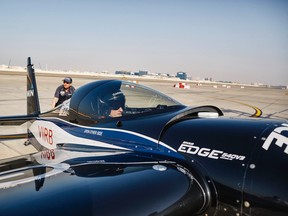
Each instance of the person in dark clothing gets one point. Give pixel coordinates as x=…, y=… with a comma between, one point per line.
x=63, y=92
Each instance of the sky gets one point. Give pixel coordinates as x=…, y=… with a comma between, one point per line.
x=242, y=41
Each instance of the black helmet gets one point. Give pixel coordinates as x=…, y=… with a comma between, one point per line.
x=112, y=101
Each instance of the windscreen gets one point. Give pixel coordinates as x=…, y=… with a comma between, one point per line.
x=143, y=97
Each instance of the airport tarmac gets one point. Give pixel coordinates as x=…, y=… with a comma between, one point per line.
x=233, y=100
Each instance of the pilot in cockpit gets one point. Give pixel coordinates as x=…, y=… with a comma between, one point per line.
x=112, y=104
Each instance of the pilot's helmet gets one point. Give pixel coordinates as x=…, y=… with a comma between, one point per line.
x=112, y=101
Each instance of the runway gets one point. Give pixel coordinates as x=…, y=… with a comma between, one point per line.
x=234, y=101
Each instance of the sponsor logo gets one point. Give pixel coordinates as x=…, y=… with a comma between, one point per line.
x=190, y=148
x=45, y=134
x=279, y=138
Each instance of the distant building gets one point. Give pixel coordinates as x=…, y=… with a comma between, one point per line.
x=142, y=73
x=123, y=72
x=181, y=75
x=208, y=79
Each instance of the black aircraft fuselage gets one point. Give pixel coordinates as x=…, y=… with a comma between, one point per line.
x=159, y=158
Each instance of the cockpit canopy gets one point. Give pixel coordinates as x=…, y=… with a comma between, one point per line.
x=94, y=101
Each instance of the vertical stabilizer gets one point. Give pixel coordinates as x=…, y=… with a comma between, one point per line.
x=33, y=106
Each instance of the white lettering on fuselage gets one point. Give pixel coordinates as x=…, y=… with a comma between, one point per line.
x=94, y=132
x=280, y=138
x=30, y=93
x=190, y=148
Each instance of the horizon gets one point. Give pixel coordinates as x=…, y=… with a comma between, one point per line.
x=14, y=68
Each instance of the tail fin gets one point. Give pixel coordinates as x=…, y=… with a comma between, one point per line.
x=33, y=105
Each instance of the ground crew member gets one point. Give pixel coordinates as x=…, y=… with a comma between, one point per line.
x=63, y=92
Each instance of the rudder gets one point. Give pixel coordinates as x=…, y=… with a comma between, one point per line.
x=33, y=105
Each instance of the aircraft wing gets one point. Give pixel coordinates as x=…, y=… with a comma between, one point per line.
x=97, y=183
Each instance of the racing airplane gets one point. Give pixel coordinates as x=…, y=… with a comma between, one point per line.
x=159, y=157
